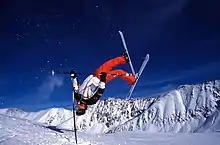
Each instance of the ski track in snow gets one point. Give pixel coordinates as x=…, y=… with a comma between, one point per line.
x=23, y=132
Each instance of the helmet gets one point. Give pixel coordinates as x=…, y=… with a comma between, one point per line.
x=80, y=111
x=81, y=108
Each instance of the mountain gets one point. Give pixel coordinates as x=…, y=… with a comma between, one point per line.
x=188, y=108
x=212, y=123
x=182, y=110
x=51, y=116
x=16, y=131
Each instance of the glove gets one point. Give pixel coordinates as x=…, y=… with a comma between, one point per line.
x=103, y=76
x=73, y=74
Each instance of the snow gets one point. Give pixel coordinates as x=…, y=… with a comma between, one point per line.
x=184, y=109
x=51, y=116
x=141, y=138
x=212, y=124
x=23, y=132
x=189, y=114
x=189, y=108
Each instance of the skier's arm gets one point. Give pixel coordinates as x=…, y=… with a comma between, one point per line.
x=100, y=90
x=75, y=85
x=77, y=96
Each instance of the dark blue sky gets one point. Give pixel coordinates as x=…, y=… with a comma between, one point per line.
x=182, y=38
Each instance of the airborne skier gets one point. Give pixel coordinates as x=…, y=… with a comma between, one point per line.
x=92, y=88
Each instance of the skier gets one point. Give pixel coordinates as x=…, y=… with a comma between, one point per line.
x=92, y=88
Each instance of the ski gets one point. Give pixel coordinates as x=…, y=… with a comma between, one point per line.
x=138, y=76
x=126, y=50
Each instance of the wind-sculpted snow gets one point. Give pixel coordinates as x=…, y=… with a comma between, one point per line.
x=189, y=108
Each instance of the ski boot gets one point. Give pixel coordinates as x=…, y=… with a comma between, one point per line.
x=125, y=54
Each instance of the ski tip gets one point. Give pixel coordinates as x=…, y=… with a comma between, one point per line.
x=53, y=72
x=148, y=55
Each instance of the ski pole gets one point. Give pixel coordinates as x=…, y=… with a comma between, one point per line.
x=81, y=73
x=74, y=116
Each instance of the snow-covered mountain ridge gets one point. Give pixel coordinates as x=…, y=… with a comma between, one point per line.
x=51, y=116
x=16, y=131
x=189, y=108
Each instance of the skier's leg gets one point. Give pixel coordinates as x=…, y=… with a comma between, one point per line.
x=75, y=84
x=121, y=74
x=108, y=65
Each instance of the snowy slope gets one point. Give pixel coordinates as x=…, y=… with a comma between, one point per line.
x=189, y=108
x=212, y=123
x=13, y=112
x=15, y=131
x=143, y=138
x=51, y=116
x=182, y=110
